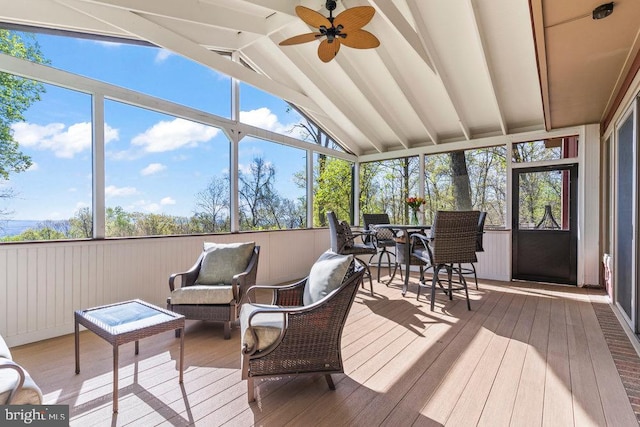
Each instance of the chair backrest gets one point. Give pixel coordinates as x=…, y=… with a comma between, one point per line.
x=479, y=238
x=338, y=240
x=371, y=219
x=455, y=236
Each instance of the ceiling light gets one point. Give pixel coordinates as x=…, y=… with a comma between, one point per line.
x=602, y=11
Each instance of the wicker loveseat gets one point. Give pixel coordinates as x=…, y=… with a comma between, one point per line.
x=16, y=385
x=300, y=332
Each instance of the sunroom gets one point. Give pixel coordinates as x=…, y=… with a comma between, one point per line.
x=157, y=126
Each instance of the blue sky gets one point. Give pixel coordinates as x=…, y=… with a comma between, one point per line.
x=155, y=163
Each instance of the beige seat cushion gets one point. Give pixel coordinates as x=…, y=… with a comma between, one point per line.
x=30, y=393
x=222, y=261
x=266, y=325
x=325, y=276
x=4, y=349
x=203, y=294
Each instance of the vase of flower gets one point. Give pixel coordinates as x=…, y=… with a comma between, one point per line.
x=415, y=203
x=414, y=217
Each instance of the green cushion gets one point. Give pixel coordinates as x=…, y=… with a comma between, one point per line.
x=222, y=261
x=325, y=276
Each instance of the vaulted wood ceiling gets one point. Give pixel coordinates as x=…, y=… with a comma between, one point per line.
x=445, y=71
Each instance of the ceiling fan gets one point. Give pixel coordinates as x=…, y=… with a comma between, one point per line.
x=346, y=29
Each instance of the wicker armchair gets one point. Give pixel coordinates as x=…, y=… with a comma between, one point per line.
x=300, y=332
x=452, y=242
x=216, y=298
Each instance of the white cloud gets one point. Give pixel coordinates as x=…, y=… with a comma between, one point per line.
x=167, y=201
x=72, y=190
x=162, y=55
x=265, y=119
x=262, y=118
x=174, y=134
x=81, y=205
x=64, y=141
x=153, y=208
x=34, y=167
x=153, y=168
x=113, y=191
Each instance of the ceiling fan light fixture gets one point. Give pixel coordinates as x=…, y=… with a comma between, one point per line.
x=346, y=28
x=602, y=11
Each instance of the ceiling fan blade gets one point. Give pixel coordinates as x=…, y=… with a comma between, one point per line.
x=302, y=38
x=354, y=18
x=360, y=39
x=311, y=17
x=327, y=51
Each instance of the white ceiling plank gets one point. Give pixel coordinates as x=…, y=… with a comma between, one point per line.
x=167, y=39
x=319, y=79
x=409, y=93
x=487, y=67
x=268, y=67
x=397, y=21
x=193, y=11
x=423, y=33
x=380, y=107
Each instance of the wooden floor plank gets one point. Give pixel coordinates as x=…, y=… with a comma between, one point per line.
x=518, y=357
x=468, y=409
x=558, y=404
x=499, y=404
x=527, y=408
x=587, y=408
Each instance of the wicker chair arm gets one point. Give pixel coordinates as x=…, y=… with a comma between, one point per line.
x=242, y=281
x=10, y=364
x=187, y=278
x=285, y=295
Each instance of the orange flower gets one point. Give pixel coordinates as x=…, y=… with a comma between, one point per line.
x=415, y=202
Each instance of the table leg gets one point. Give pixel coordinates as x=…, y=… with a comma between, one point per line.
x=407, y=261
x=77, y=342
x=181, y=353
x=115, y=378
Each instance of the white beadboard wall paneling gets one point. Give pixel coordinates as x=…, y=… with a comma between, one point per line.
x=495, y=262
x=42, y=284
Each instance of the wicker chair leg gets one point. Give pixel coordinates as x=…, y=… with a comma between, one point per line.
x=178, y=333
x=332, y=386
x=466, y=290
x=250, y=390
x=475, y=276
x=227, y=330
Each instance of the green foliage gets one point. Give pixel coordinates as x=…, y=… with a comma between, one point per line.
x=332, y=189
x=16, y=96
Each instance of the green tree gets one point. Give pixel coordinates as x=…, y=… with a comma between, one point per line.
x=81, y=225
x=16, y=96
x=212, y=204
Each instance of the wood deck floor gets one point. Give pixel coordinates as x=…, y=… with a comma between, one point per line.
x=527, y=354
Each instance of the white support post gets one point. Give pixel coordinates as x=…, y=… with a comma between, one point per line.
x=234, y=215
x=98, y=173
x=356, y=193
x=310, y=155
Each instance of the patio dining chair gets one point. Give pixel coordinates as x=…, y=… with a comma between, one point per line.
x=345, y=241
x=300, y=331
x=471, y=270
x=384, y=239
x=452, y=243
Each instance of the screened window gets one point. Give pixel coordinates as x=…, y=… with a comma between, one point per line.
x=51, y=199
x=271, y=193
x=164, y=175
